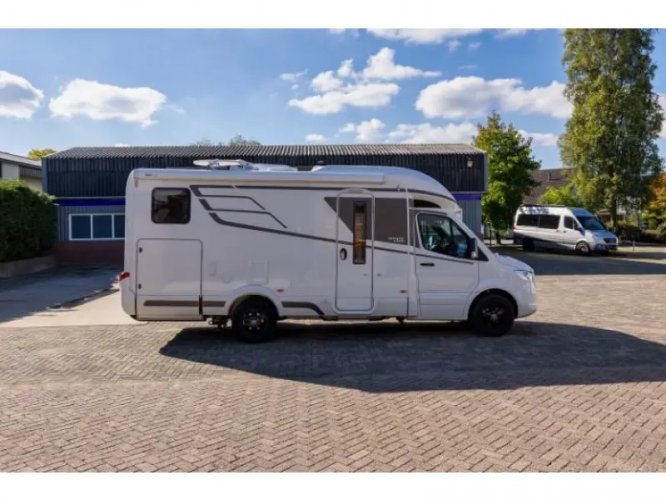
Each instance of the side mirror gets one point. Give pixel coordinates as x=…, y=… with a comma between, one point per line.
x=472, y=249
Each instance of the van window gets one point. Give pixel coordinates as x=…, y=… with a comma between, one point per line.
x=171, y=206
x=549, y=221
x=425, y=204
x=360, y=231
x=440, y=234
x=569, y=223
x=527, y=220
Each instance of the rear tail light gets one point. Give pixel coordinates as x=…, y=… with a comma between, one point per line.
x=123, y=275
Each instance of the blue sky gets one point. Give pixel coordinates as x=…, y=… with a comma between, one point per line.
x=65, y=88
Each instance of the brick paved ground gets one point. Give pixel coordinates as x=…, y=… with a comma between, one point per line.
x=579, y=386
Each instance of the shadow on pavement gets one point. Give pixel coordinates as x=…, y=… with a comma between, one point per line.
x=568, y=263
x=59, y=288
x=387, y=357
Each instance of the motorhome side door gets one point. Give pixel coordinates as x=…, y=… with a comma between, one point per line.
x=168, y=275
x=354, y=252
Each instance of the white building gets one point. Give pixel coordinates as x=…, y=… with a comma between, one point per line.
x=21, y=168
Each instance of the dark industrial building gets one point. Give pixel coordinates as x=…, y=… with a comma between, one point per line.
x=89, y=183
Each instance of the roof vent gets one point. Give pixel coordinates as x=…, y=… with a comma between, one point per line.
x=216, y=164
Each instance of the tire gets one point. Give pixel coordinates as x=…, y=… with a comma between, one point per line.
x=528, y=245
x=583, y=249
x=492, y=315
x=254, y=320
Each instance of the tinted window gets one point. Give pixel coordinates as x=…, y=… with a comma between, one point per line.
x=527, y=220
x=440, y=234
x=171, y=206
x=591, y=223
x=425, y=204
x=119, y=226
x=569, y=223
x=360, y=231
x=102, y=226
x=549, y=221
x=80, y=227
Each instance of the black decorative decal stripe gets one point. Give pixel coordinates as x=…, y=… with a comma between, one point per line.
x=171, y=303
x=303, y=305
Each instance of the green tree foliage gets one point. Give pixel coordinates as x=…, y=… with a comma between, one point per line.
x=610, y=138
x=239, y=140
x=38, y=154
x=27, y=221
x=565, y=195
x=510, y=166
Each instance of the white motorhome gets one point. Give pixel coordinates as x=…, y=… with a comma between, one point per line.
x=257, y=244
x=556, y=226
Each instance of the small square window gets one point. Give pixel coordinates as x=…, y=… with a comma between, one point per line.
x=171, y=206
x=102, y=227
x=80, y=227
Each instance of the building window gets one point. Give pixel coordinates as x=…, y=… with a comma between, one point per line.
x=171, y=206
x=97, y=226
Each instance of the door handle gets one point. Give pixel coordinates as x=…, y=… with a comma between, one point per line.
x=343, y=254
x=427, y=264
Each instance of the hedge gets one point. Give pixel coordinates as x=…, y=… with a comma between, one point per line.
x=27, y=221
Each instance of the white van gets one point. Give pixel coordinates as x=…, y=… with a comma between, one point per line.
x=257, y=244
x=554, y=226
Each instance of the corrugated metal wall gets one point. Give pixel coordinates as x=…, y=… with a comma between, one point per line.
x=79, y=177
x=64, y=212
x=472, y=214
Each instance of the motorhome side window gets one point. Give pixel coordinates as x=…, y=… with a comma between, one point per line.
x=440, y=234
x=171, y=206
x=360, y=231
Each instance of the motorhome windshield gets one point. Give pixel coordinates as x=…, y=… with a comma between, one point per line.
x=590, y=223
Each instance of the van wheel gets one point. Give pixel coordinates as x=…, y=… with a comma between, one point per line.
x=254, y=321
x=583, y=248
x=492, y=315
x=528, y=245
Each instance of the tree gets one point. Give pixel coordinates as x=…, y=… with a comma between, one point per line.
x=565, y=195
x=38, y=154
x=239, y=140
x=510, y=166
x=610, y=139
x=657, y=199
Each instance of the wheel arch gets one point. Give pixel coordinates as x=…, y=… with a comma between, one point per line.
x=260, y=294
x=496, y=291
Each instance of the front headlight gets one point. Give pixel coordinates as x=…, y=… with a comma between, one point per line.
x=526, y=275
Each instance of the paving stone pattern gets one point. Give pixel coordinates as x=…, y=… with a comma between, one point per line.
x=580, y=386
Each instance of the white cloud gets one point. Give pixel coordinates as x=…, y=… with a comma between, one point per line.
x=473, y=97
x=362, y=95
x=510, y=33
x=453, y=45
x=326, y=81
x=366, y=131
x=423, y=36
x=346, y=68
x=100, y=101
x=18, y=97
x=473, y=46
x=541, y=139
x=381, y=66
x=315, y=138
x=293, y=77
x=121, y=145
x=427, y=133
